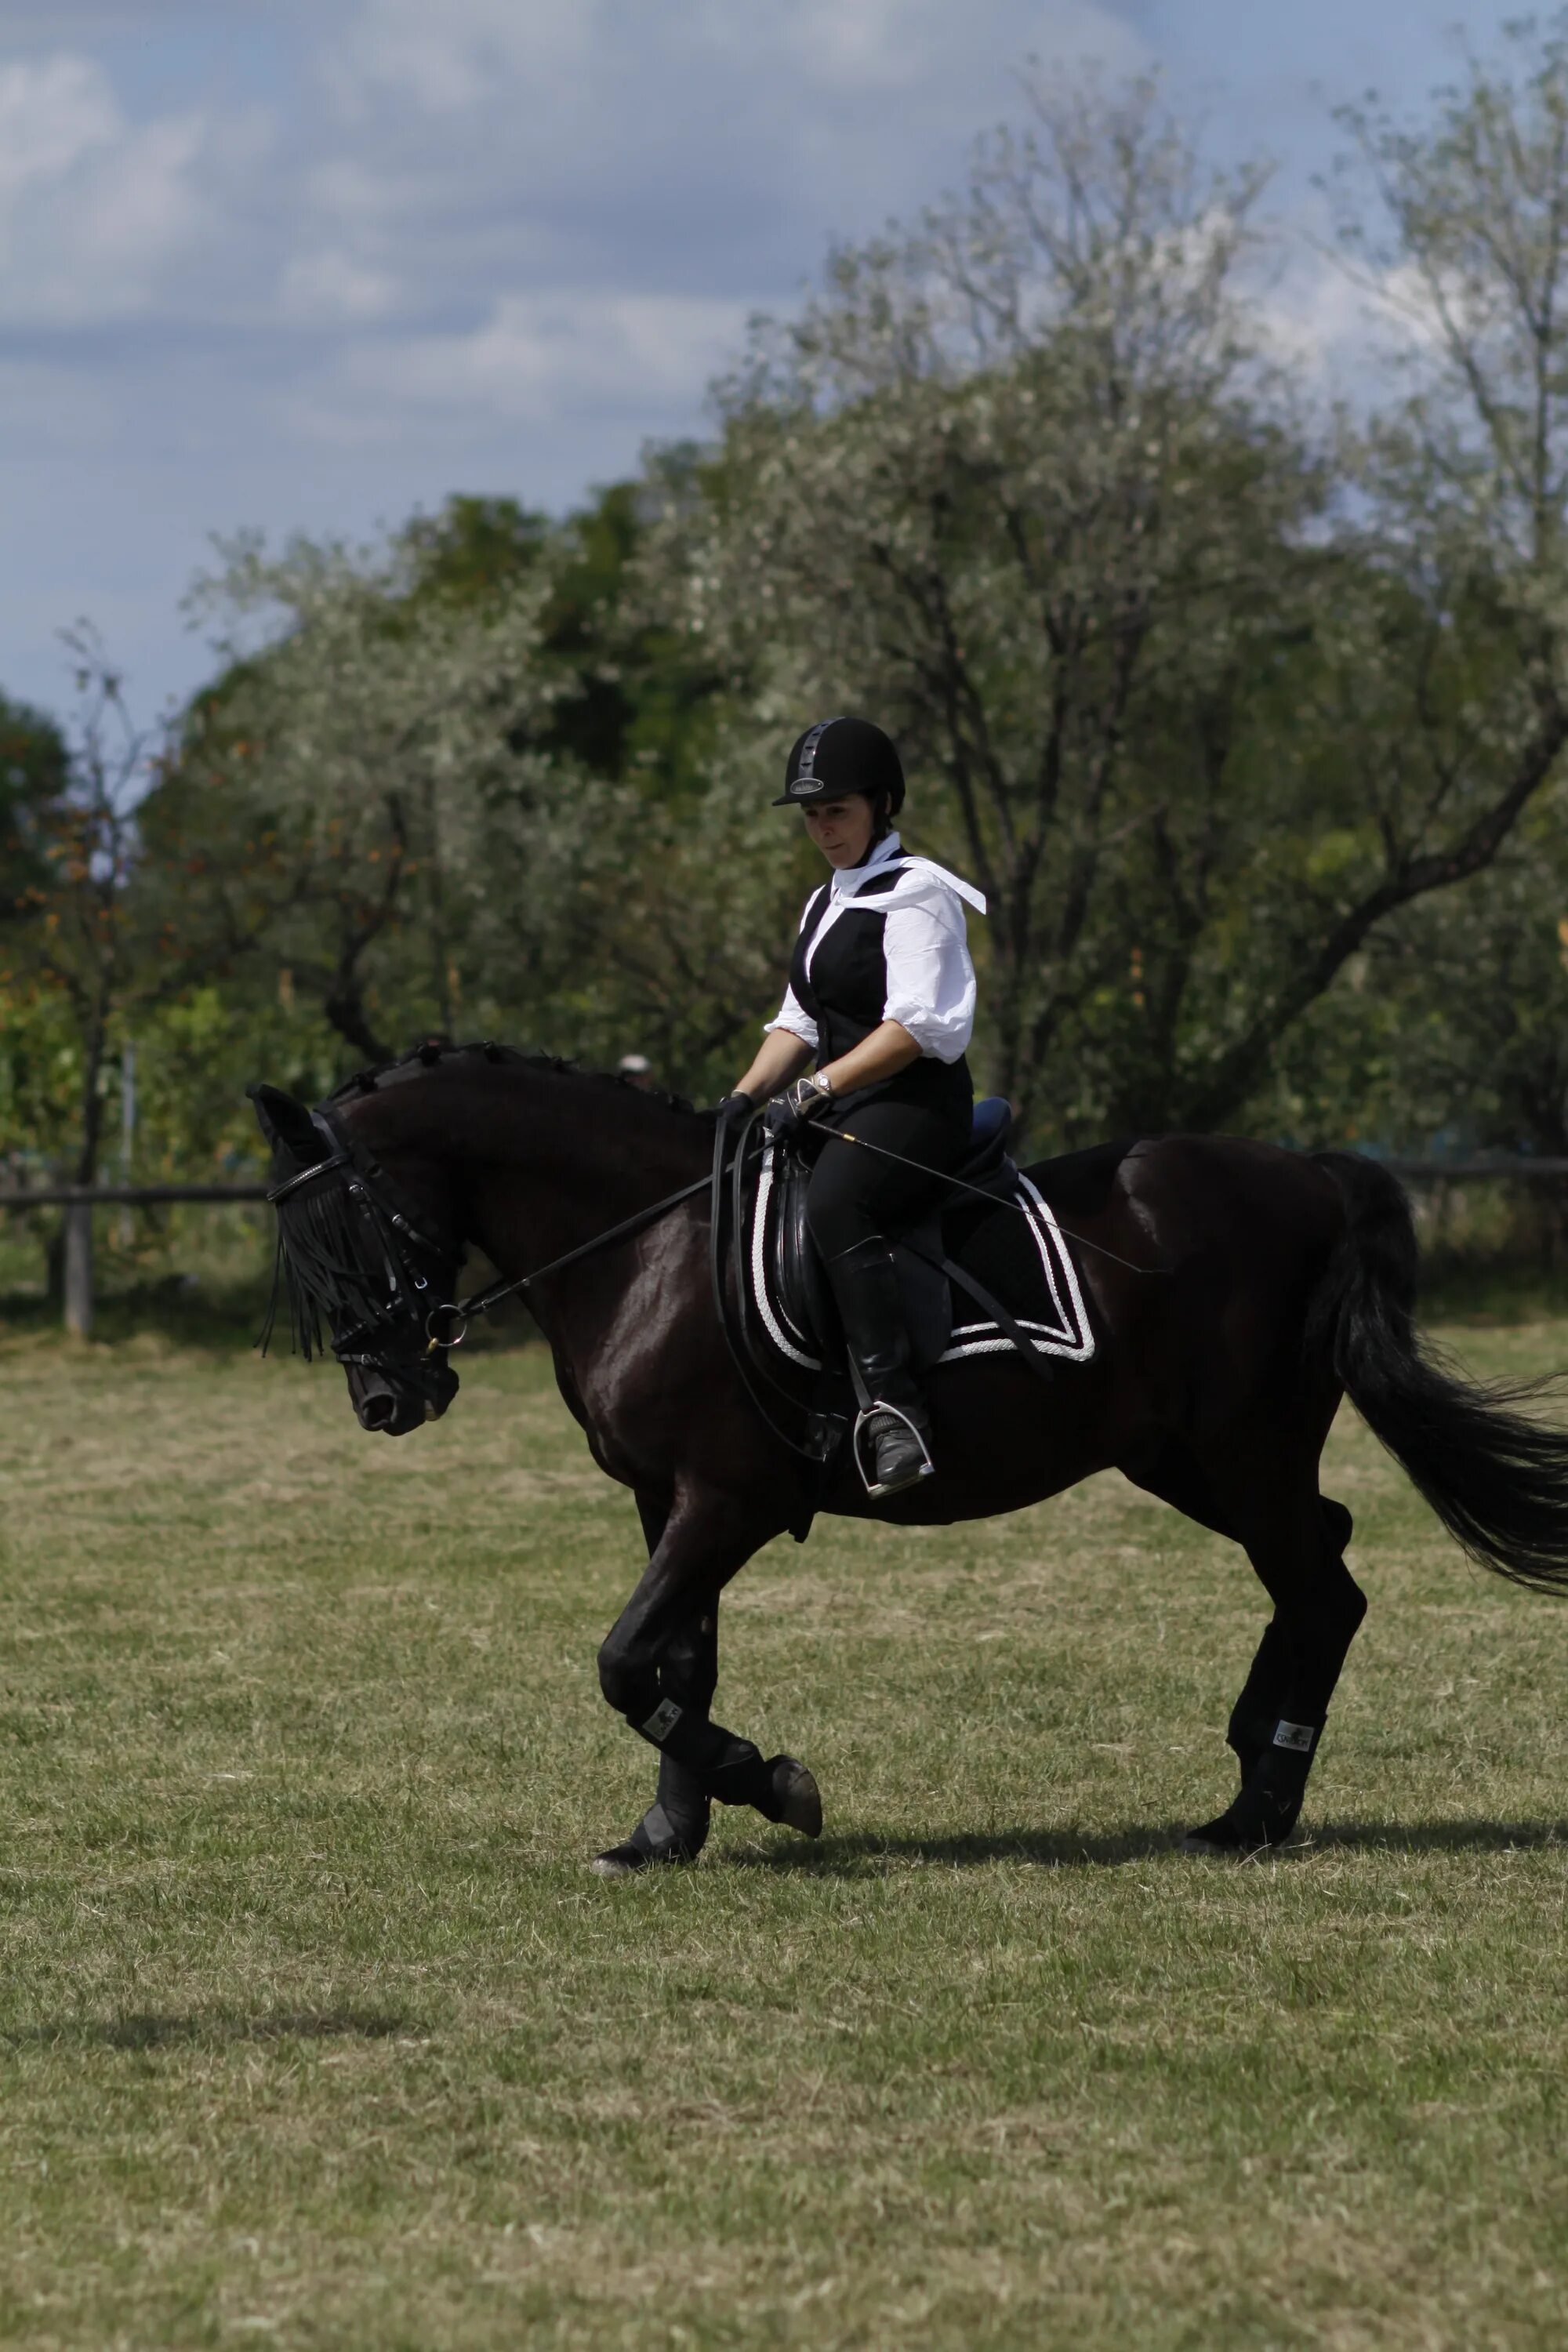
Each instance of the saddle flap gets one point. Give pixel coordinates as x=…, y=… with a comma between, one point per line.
x=800, y=1286
x=801, y=1298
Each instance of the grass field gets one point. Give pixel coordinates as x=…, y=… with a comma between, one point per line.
x=315, y=2032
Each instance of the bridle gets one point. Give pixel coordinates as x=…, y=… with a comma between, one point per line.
x=400, y=1243
x=360, y=1250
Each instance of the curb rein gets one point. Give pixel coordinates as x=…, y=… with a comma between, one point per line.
x=369, y=1185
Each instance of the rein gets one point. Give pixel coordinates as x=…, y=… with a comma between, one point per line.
x=447, y=1325
x=482, y=1301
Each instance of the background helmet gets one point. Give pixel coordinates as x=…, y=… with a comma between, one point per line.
x=839, y=756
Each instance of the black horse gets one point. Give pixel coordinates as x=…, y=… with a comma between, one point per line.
x=1236, y=1291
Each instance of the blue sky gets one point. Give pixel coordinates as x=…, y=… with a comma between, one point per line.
x=311, y=266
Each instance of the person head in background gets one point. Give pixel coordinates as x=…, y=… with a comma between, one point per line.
x=637, y=1070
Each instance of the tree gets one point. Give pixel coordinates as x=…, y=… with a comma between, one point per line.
x=1204, y=700
x=471, y=773
x=34, y=768
x=1446, y=676
x=1463, y=1002
x=1007, y=483
x=80, y=943
x=351, y=784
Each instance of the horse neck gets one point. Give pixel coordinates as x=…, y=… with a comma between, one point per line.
x=543, y=1161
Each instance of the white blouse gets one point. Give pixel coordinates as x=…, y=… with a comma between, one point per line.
x=931, y=979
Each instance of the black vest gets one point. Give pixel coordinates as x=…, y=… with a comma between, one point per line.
x=845, y=994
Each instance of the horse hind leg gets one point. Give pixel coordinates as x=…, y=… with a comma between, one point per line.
x=1263, y=1697
x=1295, y=1539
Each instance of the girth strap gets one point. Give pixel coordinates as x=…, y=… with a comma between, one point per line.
x=1005, y=1323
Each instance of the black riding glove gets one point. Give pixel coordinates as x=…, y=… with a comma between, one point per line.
x=733, y=1109
x=792, y=1112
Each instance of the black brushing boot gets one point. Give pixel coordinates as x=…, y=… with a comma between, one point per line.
x=673, y=1830
x=698, y=1759
x=1256, y=1711
x=1270, y=1803
x=892, y=1436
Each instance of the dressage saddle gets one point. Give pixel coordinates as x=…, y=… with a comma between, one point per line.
x=922, y=1250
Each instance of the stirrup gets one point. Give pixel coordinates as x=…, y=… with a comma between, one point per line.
x=927, y=1466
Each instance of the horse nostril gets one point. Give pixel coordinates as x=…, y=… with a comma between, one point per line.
x=377, y=1412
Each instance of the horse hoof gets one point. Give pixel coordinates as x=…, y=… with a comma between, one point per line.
x=797, y=1799
x=1222, y=1838
x=1239, y=1836
x=625, y=1861
x=620, y=1861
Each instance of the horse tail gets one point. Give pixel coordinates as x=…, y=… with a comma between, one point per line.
x=1497, y=1477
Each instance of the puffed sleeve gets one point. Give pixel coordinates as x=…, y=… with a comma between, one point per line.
x=930, y=979
x=792, y=1014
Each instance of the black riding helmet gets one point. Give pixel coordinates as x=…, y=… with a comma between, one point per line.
x=840, y=756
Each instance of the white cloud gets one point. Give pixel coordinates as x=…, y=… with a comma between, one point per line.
x=94, y=209
x=867, y=46
x=498, y=242
x=51, y=115
x=329, y=286
x=546, y=54
x=456, y=55
x=1336, y=325
x=537, y=357
x=863, y=46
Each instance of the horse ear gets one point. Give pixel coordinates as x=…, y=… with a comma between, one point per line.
x=285, y=1123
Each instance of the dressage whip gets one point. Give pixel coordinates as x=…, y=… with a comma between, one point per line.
x=991, y=1199
x=483, y=1300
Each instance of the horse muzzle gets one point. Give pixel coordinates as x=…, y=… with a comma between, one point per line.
x=394, y=1402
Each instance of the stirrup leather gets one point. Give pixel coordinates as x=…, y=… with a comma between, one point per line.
x=868, y=1412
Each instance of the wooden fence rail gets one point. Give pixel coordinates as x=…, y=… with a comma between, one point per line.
x=132, y=1196
x=1473, y=1171
x=78, y=1202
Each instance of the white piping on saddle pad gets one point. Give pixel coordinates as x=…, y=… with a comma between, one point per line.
x=1071, y=1335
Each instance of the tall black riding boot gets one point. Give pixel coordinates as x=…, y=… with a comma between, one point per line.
x=892, y=1436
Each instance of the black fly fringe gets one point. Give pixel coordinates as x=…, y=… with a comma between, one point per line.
x=324, y=1236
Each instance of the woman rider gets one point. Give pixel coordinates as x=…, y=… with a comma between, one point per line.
x=881, y=996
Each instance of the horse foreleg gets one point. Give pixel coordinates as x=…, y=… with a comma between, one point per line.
x=658, y=1667
x=675, y=1826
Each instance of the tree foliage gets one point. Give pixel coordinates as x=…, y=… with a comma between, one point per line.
x=1248, y=718
x=1201, y=697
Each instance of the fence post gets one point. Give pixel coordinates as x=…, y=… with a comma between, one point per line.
x=79, y=1270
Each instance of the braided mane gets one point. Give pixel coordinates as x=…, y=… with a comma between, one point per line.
x=369, y=1081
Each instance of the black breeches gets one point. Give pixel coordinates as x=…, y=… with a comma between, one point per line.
x=855, y=1196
